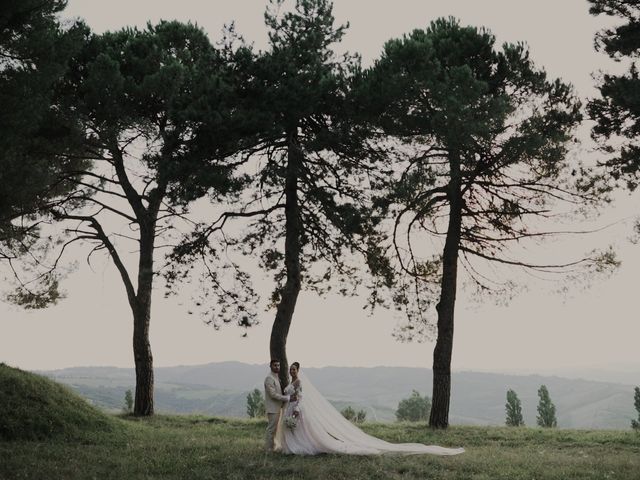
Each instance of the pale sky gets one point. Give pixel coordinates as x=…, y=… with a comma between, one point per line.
x=537, y=331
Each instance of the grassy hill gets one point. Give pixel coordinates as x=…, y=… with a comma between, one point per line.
x=33, y=407
x=477, y=398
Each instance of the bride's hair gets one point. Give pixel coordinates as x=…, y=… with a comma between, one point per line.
x=296, y=364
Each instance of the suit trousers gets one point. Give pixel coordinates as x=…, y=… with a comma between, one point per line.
x=272, y=424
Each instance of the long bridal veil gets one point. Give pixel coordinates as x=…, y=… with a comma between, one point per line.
x=323, y=429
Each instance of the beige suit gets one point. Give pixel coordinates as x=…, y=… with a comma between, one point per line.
x=273, y=401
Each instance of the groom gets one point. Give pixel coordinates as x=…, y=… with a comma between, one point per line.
x=273, y=400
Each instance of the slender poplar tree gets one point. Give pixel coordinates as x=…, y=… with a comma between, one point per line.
x=513, y=408
x=546, y=409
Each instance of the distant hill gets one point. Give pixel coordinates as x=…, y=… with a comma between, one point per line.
x=625, y=373
x=477, y=398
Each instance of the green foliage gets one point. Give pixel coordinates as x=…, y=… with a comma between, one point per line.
x=349, y=413
x=39, y=142
x=308, y=143
x=617, y=111
x=416, y=408
x=160, y=106
x=356, y=417
x=514, y=410
x=128, y=402
x=153, y=104
x=546, y=409
x=301, y=73
x=470, y=124
x=35, y=408
x=35, y=51
x=635, y=424
x=47, y=293
x=361, y=416
x=255, y=404
x=167, y=83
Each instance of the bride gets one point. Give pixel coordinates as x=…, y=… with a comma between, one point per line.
x=311, y=425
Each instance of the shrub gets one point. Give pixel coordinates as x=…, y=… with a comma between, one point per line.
x=414, y=409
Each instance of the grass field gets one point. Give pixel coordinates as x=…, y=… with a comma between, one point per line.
x=48, y=432
x=175, y=447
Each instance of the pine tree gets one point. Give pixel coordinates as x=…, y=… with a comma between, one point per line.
x=546, y=409
x=617, y=111
x=38, y=142
x=482, y=137
x=155, y=107
x=514, y=410
x=307, y=210
x=635, y=424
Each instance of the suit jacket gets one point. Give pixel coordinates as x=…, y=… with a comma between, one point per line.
x=273, y=399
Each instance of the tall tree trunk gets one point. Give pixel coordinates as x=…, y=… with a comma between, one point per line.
x=143, y=360
x=141, y=316
x=140, y=300
x=289, y=293
x=439, y=417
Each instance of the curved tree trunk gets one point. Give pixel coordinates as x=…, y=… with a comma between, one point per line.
x=144, y=362
x=141, y=316
x=439, y=417
x=289, y=293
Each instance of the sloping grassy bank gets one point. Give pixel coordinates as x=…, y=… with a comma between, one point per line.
x=32, y=407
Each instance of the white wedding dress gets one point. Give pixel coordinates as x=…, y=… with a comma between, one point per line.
x=322, y=429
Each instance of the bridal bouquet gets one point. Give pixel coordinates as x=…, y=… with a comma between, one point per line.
x=291, y=422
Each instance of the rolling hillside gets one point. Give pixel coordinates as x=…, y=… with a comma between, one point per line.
x=477, y=398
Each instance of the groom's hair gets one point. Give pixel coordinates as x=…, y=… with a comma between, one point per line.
x=273, y=360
